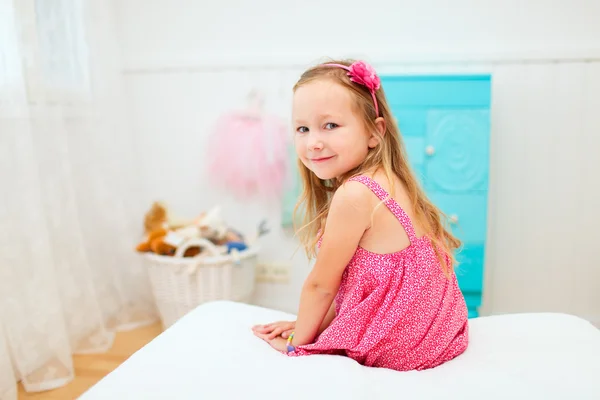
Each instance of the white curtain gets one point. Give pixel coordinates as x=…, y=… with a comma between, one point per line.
x=70, y=212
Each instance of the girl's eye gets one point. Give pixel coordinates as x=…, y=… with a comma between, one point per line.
x=302, y=129
x=331, y=125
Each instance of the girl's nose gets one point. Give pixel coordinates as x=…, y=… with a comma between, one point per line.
x=315, y=143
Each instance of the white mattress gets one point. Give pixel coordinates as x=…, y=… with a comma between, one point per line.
x=211, y=353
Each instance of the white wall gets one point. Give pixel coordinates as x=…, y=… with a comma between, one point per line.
x=175, y=32
x=185, y=62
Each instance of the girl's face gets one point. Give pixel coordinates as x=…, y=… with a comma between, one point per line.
x=330, y=138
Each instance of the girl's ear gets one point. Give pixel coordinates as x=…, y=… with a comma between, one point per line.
x=376, y=138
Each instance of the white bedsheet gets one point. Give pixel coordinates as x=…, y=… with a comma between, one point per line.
x=211, y=353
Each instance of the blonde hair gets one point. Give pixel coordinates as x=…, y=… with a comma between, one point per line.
x=389, y=155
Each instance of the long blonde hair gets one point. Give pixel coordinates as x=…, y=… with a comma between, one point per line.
x=389, y=155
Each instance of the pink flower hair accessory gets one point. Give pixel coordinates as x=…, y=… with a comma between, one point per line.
x=364, y=74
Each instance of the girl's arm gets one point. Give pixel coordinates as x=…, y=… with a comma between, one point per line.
x=328, y=318
x=285, y=328
x=348, y=218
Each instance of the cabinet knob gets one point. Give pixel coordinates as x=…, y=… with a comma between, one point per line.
x=453, y=218
x=430, y=150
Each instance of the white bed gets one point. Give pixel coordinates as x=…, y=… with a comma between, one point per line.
x=211, y=353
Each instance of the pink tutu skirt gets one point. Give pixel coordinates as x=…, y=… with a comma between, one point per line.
x=247, y=155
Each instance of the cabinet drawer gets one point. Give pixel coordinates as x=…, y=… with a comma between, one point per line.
x=456, y=150
x=447, y=90
x=467, y=213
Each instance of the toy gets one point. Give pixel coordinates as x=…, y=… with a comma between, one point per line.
x=159, y=216
x=236, y=241
x=239, y=246
x=212, y=226
x=153, y=234
x=165, y=242
x=164, y=235
x=155, y=218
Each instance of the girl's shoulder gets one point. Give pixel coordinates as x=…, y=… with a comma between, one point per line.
x=352, y=200
x=392, y=185
x=353, y=190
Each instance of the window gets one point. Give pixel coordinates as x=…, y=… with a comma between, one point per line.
x=43, y=53
x=62, y=47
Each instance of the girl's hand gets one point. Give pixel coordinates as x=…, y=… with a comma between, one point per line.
x=278, y=343
x=281, y=328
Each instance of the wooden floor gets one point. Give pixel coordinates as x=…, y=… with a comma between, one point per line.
x=89, y=369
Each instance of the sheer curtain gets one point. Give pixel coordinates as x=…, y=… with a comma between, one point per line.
x=69, y=198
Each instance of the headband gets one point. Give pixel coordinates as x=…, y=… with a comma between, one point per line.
x=363, y=74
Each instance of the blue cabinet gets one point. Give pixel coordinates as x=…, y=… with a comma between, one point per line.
x=445, y=125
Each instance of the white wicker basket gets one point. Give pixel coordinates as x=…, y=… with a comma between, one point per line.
x=181, y=284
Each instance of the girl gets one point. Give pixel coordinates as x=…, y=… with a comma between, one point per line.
x=382, y=290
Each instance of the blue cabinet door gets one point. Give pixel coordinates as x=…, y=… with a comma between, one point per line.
x=457, y=150
x=445, y=125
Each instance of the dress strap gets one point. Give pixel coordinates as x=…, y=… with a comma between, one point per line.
x=393, y=206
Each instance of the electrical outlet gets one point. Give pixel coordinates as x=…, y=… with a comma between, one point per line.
x=273, y=272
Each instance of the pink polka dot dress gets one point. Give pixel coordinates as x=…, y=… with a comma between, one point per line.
x=397, y=310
